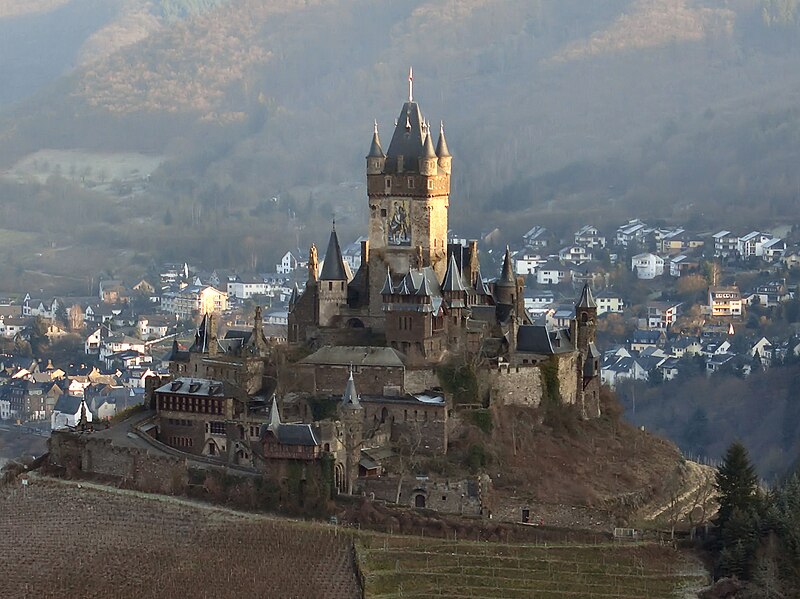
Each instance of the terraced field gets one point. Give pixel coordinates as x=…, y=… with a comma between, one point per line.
x=412, y=567
x=84, y=540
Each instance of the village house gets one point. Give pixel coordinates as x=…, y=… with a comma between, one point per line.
x=589, y=237
x=634, y=231
x=574, y=254
x=647, y=265
x=609, y=301
x=773, y=250
x=725, y=244
x=194, y=299
x=527, y=264
x=551, y=273
x=724, y=302
x=536, y=238
x=662, y=315
x=153, y=326
x=682, y=264
x=287, y=265
x=113, y=292
x=68, y=412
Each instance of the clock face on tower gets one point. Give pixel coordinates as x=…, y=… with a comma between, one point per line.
x=399, y=224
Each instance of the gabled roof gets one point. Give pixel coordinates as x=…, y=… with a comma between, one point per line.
x=539, y=339
x=333, y=268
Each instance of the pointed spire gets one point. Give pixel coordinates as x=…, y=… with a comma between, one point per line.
x=587, y=299
x=388, y=287
x=452, y=278
x=423, y=287
x=333, y=268
x=350, y=396
x=274, y=415
x=429, y=151
x=405, y=289
x=375, y=150
x=294, y=297
x=507, y=278
x=442, y=150
x=410, y=84
x=480, y=286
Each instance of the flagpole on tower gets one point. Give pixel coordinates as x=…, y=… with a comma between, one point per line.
x=410, y=84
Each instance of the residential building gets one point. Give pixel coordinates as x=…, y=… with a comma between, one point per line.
x=682, y=264
x=724, y=302
x=574, y=254
x=590, y=237
x=551, y=273
x=752, y=244
x=647, y=265
x=246, y=287
x=526, y=264
x=193, y=300
x=633, y=231
x=153, y=326
x=662, y=315
x=536, y=238
x=287, y=265
x=609, y=301
x=773, y=250
x=725, y=244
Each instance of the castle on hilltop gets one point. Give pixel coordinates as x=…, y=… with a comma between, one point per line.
x=360, y=382
x=425, y=298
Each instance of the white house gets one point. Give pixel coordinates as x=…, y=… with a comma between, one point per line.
x=247, y=287
x=632, y=231
x=574, y=254
x=773, y=250
x=67, y=412
x=662, y=315
x=590, y=237
x=536, y=238
x=752, y=244
x=725, y=244
x=528, y=263
x=287, y=264
x=550, y=274
x=609, y=301
x=150, y=326
x=647, y=265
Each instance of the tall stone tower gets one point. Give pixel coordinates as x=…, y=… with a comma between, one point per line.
x=351, y=414
x=588, y=355
x=408, y=189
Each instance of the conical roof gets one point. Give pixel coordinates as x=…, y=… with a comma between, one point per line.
x=480, y=286
x=429, y=152
x=274, y=415
x=587, y=299
x=388, y=287
x=405, y=289
x=423, y=286
x=452, y=278
x=350, y=396
x=507, y=278
x=333, y=269
x=441, y=148
x=375, y=150
x=408, y=139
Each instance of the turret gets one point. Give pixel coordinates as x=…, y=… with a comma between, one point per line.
x=586, y=317
x=332, y=286
x=376, y=159
x=442, y=151
x=505, y=288
x=351, y=413
x=428, y=162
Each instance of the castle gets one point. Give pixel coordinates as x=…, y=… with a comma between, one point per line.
x=416, y=303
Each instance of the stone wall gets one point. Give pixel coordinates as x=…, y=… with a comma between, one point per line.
x=417, y=381
x=515, y=386
x=470, y=497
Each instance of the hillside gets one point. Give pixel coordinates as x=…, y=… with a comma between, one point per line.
x=81, y=540
x=704, y=415
x=557, y=112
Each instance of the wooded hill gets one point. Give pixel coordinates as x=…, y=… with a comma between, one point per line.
x=564, y=111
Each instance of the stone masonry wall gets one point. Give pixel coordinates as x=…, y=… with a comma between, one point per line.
x=515, y=386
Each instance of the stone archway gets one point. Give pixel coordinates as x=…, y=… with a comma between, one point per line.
x=419, y=500
x=355, y=323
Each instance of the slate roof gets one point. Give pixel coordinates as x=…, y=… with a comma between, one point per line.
x=356, y=355
x=586, y=300
x=539, y=339
x=408, y=140
x=68, y=404
x=196, y=387
x=287, y=434
x=350, y=395
x=333, y=267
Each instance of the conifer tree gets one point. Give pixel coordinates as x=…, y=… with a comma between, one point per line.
x=736, y=483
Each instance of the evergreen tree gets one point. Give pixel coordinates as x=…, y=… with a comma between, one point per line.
x=736, y=483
